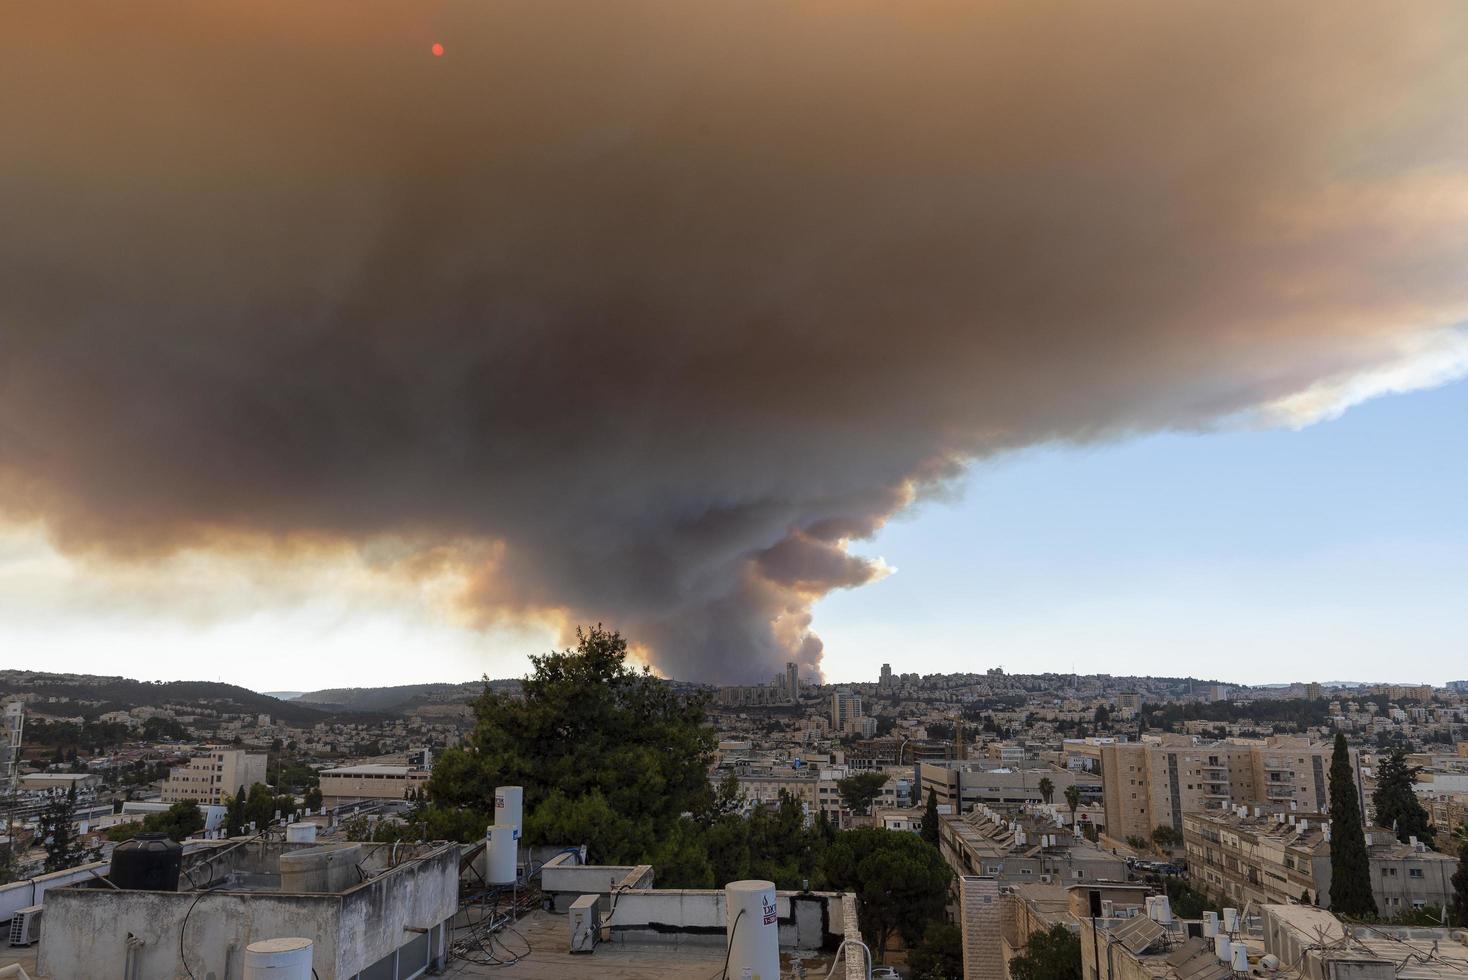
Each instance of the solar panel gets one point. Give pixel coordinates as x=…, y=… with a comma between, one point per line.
x=1195, y=960
x=1138, y=934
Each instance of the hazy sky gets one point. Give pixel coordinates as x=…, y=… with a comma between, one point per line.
x=323, y=353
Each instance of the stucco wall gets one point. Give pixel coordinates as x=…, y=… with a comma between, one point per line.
x=85, y=931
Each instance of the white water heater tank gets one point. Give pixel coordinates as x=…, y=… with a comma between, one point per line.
x=1223, y=948
x=1241, y=958
x=501, y=849
x=1230, y=920
x=1210, y=924
x=278, y=959
x=752, y=928
x=508, y=805
x=300, y=833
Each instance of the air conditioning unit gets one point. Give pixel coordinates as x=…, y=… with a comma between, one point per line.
x=1047, y=878
x=25, y=926
x=585, y=921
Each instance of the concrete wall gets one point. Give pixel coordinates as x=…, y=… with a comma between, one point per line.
x=30, y=891
x=807, y=920
x=85, y=931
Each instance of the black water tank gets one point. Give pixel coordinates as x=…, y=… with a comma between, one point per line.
x=148, y=862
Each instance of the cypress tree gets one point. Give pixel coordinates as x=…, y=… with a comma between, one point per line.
x=1350, y=865
x=930, y=818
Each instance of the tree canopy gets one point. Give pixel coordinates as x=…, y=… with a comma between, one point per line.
x=900, y=880
x=1350, y=865
x=607, y=754
x=858, y=792
x=1395, y=801
x=1051, y=955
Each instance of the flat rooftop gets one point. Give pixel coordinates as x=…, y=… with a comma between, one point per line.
x=545, y=937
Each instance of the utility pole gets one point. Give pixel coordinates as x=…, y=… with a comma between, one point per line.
x=13, y=720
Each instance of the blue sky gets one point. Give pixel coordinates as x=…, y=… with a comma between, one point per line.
x=1334, y=552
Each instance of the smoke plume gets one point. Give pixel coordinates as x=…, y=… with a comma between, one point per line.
x=640, y=311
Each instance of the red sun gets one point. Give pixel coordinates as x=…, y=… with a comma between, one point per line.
x=437, y=50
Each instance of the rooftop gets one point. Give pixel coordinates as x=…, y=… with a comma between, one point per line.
x=543, y=939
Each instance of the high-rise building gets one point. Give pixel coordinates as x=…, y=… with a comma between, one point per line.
x=1314, y=691
x=792, y=680
x=886, y=679
x=1153, y=783
x=844, y=705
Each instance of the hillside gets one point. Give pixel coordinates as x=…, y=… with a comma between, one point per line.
x=90, y=695
x=400, y=698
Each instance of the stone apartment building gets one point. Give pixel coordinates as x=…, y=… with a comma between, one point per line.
x=207, y=779
x=963, y=785
x=1285, y=857
x=1023, y=850
x=1154, y=782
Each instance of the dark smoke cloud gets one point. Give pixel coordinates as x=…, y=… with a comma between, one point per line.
x=641, y=310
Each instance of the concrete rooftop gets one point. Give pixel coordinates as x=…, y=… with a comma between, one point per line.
x=548, y=937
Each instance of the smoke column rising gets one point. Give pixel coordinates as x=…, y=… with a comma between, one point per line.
x=642, y=311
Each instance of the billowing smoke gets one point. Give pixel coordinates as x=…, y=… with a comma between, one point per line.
x=640, y=311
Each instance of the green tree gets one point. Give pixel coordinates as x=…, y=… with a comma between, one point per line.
x=1051, y=955
x=1396, y=804
x=314, y=799
x=234, y=814
x=1047, y=789
x=1073, y=800
x=588, y=734
x=930, y=818
x=940, y=955
x=1350, y=866
x=57, y=828
x=858, y=792
x=9, y=864
x=1102, y=717
x=900, y=881
x=179, y=821
x=1460, y=885
x=1168, y=837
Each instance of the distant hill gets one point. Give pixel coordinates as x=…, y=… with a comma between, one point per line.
x=400, y=699
x=90, y=695
x=283, y=695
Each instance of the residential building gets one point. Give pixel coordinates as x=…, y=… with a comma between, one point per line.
x=1022, y=849
x=1254, y=856
x=353, y=784
x=1154, y=782
x=844, y=705
x=209, y=778
x=963, y=785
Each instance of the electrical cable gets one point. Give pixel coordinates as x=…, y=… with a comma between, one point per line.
x=729, y=949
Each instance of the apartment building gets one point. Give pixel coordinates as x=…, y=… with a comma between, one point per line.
x=1154, y=782
x=1022, y=850
x=844, y=705
x=1277, y=858
x=353, y=784
x=964, y=785
x=207, y=779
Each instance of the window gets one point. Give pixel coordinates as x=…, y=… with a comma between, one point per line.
x=1414, y=872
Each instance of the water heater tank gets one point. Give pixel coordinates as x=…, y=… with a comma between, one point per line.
x=278, y=959
x=751, y=925
x=500, y=853
x=148, y=862
x=508, y=804
x=300, y=833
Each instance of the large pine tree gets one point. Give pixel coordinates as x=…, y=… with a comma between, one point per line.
x=1350, y=866
x=1396, y=804
x=57, y=826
